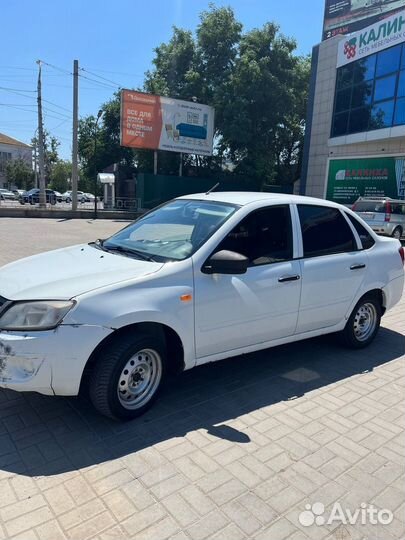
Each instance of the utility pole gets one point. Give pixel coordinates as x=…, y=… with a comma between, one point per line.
x=75, y=130
x=35, y=164
x=42, y=195
x=155, y=162
x=99, y=115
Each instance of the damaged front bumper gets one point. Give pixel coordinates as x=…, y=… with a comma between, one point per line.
x=49, y=362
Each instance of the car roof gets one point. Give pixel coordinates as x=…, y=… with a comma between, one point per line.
x=242, y=198
x=382, y=200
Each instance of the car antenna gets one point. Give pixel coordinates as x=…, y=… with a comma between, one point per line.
x=212, y=189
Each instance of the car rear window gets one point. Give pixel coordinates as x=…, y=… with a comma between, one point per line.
x=369, y=206
x=367, y=241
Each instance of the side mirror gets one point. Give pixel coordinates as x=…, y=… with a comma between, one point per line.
x=226, y=262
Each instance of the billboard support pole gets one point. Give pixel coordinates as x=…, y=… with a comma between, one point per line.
x=155, y=162
x=181, y=164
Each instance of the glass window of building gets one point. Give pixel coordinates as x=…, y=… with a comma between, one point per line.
x=370, y=93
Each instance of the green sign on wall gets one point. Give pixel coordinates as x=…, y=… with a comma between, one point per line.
x=349, y=179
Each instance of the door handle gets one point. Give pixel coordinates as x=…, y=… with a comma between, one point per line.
x=357, y=266
x=285, y=279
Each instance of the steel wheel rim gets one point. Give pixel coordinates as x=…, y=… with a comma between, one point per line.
x=365, y=321
x=139, y=379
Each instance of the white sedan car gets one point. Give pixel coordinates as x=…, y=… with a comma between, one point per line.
x=199, y=279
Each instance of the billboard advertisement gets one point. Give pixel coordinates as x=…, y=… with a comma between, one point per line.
x=347, y=16
x=349, y=179
x=162, y=123
x=374, y=38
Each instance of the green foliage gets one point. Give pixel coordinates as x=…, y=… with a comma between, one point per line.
x=20, y=174
x=60, y=176
x=51, y=157
x=99, y=144
x=255, y=81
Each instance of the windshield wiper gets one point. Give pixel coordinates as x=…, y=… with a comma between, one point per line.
x=129, y=251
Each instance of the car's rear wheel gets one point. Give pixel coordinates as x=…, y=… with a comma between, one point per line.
x=128, y=375
x=397, y=233
x=68, y=200
x=364, y=322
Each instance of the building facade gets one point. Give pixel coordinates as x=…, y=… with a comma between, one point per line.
x=12, y=149
x=355, y=138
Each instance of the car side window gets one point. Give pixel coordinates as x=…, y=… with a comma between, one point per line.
x=324, y=231
x=264, y=236
x=367, y=241
x=397, y=209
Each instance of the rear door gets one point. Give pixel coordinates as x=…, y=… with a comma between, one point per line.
x=332, y=267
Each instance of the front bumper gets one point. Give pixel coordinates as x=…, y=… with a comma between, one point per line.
x=49, y=362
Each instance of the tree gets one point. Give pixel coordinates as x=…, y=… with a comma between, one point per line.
x=60, y=176
x=99, y=145
x=19, y=173
x=254, y=80
x=262, y=107
x=51, y=157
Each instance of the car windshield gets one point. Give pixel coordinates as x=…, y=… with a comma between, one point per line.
x=172, y=232
x=369, y=206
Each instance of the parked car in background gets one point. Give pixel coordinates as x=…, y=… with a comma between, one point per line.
x=58, y=196
x=32, y=196
x=67, y=197
x=18, y=192
x=384, y=215
x=89, y=197
x=6, y=195
x=198, y=279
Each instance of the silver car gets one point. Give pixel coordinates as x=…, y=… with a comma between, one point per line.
x=384, y=215
x=6, y=194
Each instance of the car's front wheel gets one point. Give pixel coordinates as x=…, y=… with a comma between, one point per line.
x=397, y=233
x=364, y=322
x=128, y=375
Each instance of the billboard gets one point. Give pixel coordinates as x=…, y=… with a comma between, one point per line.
x=347, y=16
x=162, y=123
x=349, y=179
x=374, y=38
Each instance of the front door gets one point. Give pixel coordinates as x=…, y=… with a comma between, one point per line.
x=232, y=312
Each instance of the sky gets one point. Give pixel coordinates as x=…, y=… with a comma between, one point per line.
x=114, y=43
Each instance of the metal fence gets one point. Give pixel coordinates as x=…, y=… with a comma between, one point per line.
x=8, y=203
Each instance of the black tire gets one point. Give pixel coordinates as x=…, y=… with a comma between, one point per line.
x=364, y=322
x=68, y=200
x=104, y=380
x=397, y=233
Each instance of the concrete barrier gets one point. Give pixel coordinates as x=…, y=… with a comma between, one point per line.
x=29, y=212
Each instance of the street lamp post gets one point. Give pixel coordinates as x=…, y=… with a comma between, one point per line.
x=99, y=115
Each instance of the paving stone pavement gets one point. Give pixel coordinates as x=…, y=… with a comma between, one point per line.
x=231, y=451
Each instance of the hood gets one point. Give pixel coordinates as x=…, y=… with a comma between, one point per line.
x=69, y=272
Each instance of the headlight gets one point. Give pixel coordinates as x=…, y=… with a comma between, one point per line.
x=42, y=315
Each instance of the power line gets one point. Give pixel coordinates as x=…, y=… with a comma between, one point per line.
x=102, y=78
x=57, y=68
x=17, y=89
x=118, y=73
x=102, y=84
